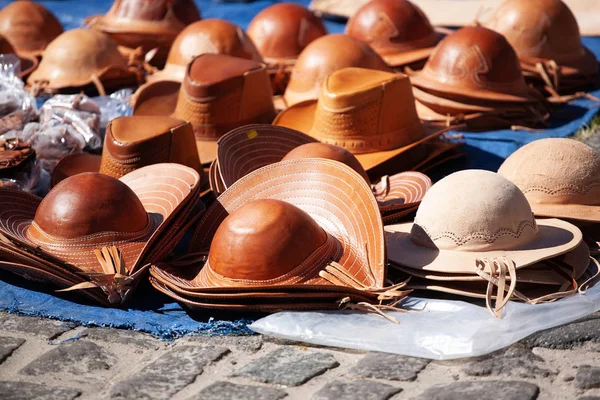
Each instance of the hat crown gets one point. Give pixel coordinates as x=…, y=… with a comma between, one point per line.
x=476, y=58
x=323, y=56
x=539, y=28
x=211, y=36
x=185, y=11
x=5, y=46
x=474, y=210
x=28, y=25
x=555, y=171
x=264, y=240
x=391, y=26
x=283, y=30
x=89, y=204
x=365, y=111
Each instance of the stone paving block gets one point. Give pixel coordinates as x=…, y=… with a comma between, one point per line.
x=288, y=366
x=169, y=374
x=361, y=389
x=587, y=378
x=515, y=361
x=589, y=398
x=250, y=343
x=46, y=328
x=566, y=336
x=8, y=345
x=75, y=358
x=389, y=366
x=232, y=391
x=497, y=390
x=27, y=391
x=121, y=336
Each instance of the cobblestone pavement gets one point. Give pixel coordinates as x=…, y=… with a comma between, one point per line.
x=46, y=359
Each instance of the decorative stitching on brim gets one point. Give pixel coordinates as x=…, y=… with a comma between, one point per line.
x=459, y=241
x=563, y=190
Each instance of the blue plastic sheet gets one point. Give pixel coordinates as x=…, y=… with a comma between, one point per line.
x=156, y=314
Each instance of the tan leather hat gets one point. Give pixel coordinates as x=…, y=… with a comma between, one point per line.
x=369, y=113
x=477, y=63
x=151, y=25
x=283, y=30
x=135, y=142
x=219, y=93
x=83, y=59
x=209, y=36
x=28, y=63
x=560, y=178
x=28, y=26
x=324, y=56
x=546, y=37
x=396, y=29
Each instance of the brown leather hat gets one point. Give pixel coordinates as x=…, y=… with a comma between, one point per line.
x=543, y=32
x=283, y=30
x=396, y=29
x=369, y=113
x=147, y=23
x=219, y=93
x=29, y=26
x=324, y=56
x=28, y=63
x=134, y=142
x=209, y=36
x=475, y=62
x=83, y=59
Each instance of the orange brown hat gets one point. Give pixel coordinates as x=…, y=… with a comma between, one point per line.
x=28, y=63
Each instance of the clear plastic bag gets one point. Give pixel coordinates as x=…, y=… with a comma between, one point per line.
x=113, y=106
x=438, y=329
x=17, y=107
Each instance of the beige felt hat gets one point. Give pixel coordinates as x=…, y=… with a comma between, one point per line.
x=559, y=177
x=473, y=216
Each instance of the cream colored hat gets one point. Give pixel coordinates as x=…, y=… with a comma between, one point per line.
x=471, y=218
x=559, y=177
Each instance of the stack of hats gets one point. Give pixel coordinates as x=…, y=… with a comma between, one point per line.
x=474, y=76
x=251, y=147
x=475, y=235
x=546, y=37
x=96, y=233
x=299, y=234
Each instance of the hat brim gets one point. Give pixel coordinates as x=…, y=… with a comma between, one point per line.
x=555, y=237
x=407, y=57
x=158, y=98
x=567, y=211
x=301, y=117
x=171, y=72
x=74, y=164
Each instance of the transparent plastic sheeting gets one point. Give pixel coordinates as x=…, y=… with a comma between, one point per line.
x=438, y=329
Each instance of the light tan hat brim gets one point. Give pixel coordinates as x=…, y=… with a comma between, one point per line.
x=567, y=211
x=207, y=151
x=301, y=116
x=555, y=237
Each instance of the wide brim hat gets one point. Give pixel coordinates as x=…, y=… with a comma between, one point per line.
x=413, y=56
x=301, y=117
x=74, y=164
x=163, y=190
x=567, y=211
x=555, y=237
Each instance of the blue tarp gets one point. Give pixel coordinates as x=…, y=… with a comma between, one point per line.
x=154, y=313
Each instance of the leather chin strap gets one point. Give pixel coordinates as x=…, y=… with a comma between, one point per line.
x=116, y=280
x=550, y=73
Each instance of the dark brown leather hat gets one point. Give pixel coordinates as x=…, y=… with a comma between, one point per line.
x=209, y=36
x=29, y=26
x=396, y=29
x=324, y=56
x=219, y=93
x=134, y=142
x=283, y=30
x=475, y=62
x=147, y=23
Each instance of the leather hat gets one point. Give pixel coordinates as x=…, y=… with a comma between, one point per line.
x=27, y=62
x=131, y=213
x=324, y=56
x=28, y=26
x=209, y=36
x=369, y=113
x=219, y=93
x=546, y=37
x=283, y=30
x=560, y=178
x=83, y=59
x=149, y=24
x=396, y=29
x=474, y=63
x=323, y=230
x=135, y=142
